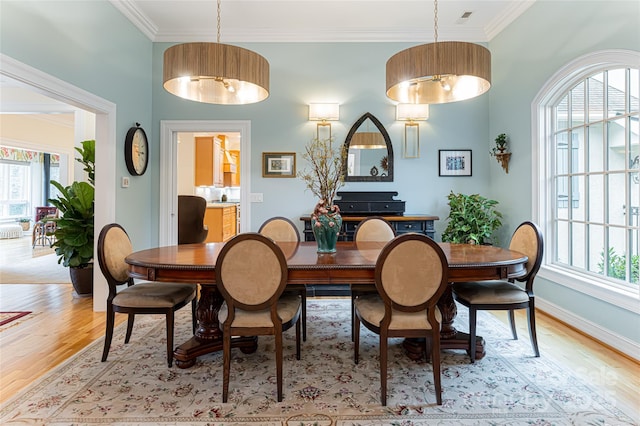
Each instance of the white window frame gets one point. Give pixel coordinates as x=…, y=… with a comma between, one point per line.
x=541, y=150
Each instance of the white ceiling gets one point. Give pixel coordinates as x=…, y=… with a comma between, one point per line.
x=320, y=20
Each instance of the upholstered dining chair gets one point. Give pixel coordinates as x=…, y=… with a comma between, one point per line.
x=191, y=227
x=143, y=298
x=254, y=303
x=506, y=295
x=281, y=229
x=411, y=274
x=373, y=228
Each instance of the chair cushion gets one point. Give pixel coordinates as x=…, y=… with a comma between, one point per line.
x=154, y=295
x=288, y=306
x=371, y=308
x=490, y=292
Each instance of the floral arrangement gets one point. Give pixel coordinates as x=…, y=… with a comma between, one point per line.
x=325, y=174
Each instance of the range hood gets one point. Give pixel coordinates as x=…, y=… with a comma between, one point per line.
x=229, y=163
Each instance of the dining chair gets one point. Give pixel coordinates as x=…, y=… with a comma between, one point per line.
x=191, y=227
x=411, y=274
x=254, y=303
x=281, y=229
x=505, y=294
x=143, y=298
x=373, y=228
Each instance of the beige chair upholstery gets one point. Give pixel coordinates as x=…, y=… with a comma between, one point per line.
x=506, y=295
x=144, y=298
x=254, y=303
x=373, y=228
x=281, y=229
x=411, y=274
x=191, y=227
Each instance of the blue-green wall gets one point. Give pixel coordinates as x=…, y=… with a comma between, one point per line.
x=91, y=45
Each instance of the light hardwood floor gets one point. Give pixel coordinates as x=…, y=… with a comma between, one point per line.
x=64, y=324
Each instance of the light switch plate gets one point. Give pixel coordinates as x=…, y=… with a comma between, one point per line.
x=256, y=197
x=125, y=181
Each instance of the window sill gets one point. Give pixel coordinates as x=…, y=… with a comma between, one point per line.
x=599, y=289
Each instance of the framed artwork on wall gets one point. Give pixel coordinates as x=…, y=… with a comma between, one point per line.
x=454, y=163
x=279, y=164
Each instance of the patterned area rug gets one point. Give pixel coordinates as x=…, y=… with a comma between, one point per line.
x=7, y=317
x=135, y=387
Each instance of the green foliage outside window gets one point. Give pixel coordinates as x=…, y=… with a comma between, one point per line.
x=618, y=266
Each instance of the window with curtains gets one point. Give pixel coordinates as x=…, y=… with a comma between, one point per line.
x=593, y=189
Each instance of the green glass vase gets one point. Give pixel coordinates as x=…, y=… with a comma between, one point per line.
x=326, y=228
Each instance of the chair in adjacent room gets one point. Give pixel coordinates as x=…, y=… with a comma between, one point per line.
x=505, y=294
x=191, y=227
x=143, y=298
x=254, y=303
x=373, y=228
x=281, y=229
x=411, y=274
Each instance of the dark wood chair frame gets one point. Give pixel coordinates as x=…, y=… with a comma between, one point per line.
x=191, y=227
x=131, y=312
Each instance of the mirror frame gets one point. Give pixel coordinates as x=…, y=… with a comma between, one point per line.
x=387, y=140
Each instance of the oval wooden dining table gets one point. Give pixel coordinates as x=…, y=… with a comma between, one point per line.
x=353, y=263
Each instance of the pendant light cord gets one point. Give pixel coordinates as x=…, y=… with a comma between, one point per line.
x=435, y=20
x=218, y=38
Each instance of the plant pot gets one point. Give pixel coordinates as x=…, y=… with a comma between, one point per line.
x=82, y=280
x=326, y=228
x=25, y=225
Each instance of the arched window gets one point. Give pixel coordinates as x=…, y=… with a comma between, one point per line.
x=586, y=149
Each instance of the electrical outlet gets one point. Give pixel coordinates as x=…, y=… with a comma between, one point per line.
x=256, y=197
x=125, y=181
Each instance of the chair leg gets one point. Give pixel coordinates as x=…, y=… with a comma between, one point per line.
x=512, y=321
x=298, y=339
x=435, y=361
x=130, y=321
x=383, y=369
x=356, y=338
x=170, y=322
x=303, y=295
x=226, y=356
x=194, y=305
x=108, y=335
x=532, y=327
x=353, y=315
x=472, y=334
x=278, y=339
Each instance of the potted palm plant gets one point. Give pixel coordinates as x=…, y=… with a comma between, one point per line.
x=74, y=226
x=472, y=219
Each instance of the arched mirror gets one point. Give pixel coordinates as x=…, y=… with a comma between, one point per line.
x=369, y=152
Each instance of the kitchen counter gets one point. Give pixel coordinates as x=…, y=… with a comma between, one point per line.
x=220, y=204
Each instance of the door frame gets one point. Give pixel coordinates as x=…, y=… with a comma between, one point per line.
x=169, y=129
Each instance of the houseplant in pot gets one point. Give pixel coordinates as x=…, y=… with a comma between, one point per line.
x=472, y=219
x=74, y=226
x=323, y=177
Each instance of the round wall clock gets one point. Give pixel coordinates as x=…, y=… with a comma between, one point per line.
x=136, y=150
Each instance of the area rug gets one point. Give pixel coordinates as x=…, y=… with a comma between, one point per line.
x=38, y=270
x=134, y=387
x=7, y=317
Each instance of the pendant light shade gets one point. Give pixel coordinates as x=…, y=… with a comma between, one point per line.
x=439, y=72
x=367, y=140
x=216, y=73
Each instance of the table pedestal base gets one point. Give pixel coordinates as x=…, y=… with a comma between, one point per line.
x=415, y=347
x=185, y=355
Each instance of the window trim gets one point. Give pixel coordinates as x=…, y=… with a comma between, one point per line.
x=541, y=126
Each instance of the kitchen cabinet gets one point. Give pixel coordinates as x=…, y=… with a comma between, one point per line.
x=220, y=218
x=209, y=161
x=232, y=169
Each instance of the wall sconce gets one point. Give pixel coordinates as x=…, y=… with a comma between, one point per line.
x=412, y=113
x=324, y=113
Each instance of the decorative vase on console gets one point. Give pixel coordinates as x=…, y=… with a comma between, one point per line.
x=323, y=178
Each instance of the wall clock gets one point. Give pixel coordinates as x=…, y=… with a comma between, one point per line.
x=136, y=150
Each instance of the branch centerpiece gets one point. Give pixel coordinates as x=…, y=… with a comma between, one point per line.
x=323, y=176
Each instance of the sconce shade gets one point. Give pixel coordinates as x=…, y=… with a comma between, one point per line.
x=438, y=73
x=367, y=140
x=412, y=112
x=216, y=73
x=324, y=112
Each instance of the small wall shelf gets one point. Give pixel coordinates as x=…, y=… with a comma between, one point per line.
x=503, y=159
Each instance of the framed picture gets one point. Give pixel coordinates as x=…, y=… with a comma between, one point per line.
x=279, y=164
x=455, y=163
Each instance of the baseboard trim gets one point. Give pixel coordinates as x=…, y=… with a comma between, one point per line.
x=617, y=342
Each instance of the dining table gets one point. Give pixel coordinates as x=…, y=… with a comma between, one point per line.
x=352, y=263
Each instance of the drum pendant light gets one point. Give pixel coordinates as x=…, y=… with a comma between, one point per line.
x=439, y=72
x=216, y=73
